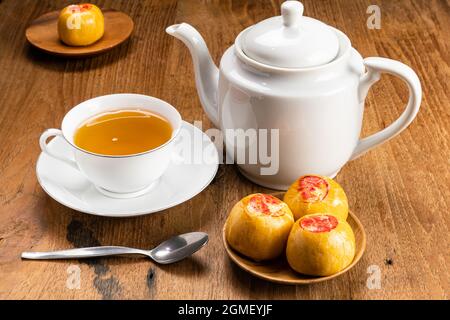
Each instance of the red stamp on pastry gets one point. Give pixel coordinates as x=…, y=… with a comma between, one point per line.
x=265, y=204
x=319, y=223
x=312, y=188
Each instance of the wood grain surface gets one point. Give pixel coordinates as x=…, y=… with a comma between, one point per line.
x=400, y=191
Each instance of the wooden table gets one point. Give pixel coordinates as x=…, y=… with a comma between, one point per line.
x=400, y=191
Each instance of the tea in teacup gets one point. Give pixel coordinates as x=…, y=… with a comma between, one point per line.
x=123, y=132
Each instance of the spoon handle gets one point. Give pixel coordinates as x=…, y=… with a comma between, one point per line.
x=83, y=253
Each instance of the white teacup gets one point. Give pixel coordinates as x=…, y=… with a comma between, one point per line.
x=117, y=176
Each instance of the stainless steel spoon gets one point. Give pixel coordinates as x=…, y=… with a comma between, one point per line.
x=169, y=251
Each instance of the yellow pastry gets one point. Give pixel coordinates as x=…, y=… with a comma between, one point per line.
x=80, y=24
x=320, y=245
x=314, y=194
x=258, y=226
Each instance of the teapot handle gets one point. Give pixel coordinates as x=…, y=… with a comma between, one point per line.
x=375, y=66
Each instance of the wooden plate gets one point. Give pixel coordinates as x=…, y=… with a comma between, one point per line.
x=279, y=271
x=43, y=34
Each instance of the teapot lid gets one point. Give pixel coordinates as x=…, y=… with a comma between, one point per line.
x=291, y=40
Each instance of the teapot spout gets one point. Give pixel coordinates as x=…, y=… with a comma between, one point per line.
x=206, y=72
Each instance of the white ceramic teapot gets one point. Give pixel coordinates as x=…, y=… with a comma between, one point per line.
x=302, y=77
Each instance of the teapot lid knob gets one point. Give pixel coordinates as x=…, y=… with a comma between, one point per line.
x=291, y=11
x=290, y=40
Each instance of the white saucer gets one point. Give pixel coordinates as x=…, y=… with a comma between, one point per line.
x=182, y=181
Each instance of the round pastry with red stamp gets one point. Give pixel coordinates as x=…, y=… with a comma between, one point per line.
x=258, y=226
x=314, y=194
x=81, y=24
x=320, y=244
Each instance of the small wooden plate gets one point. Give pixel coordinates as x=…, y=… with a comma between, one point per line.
x=279, y=271
x=43, y=34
